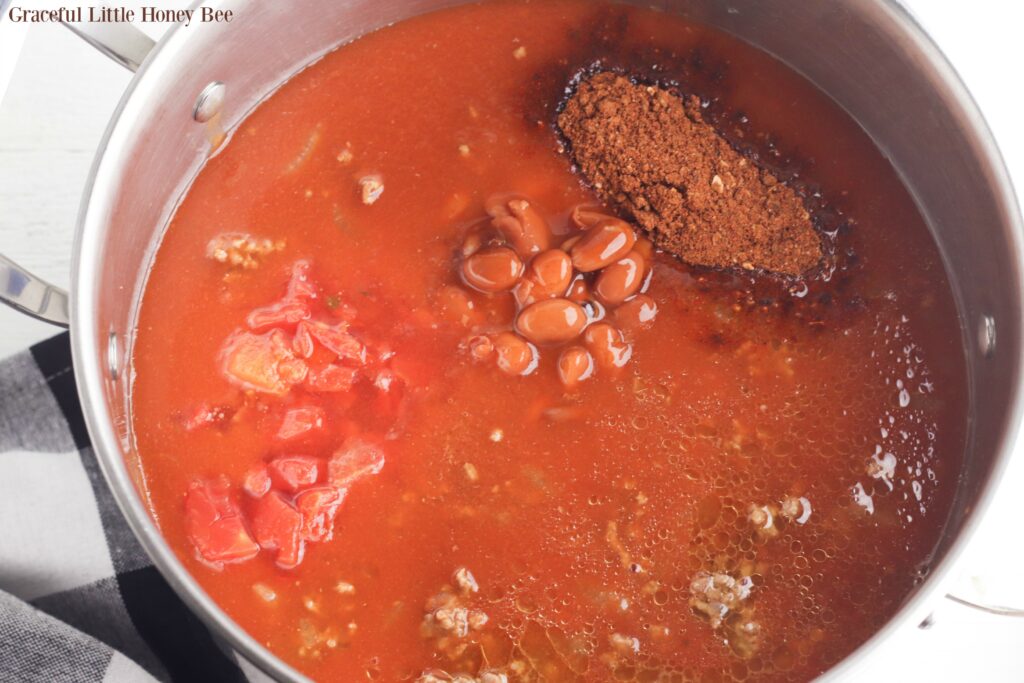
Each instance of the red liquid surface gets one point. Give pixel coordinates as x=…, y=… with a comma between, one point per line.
x=584, y=516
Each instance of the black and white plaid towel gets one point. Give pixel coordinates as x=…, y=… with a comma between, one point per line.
x=80, y=600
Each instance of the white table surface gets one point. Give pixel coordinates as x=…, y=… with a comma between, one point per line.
x=60, y=94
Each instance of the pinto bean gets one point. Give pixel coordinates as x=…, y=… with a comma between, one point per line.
x=579, y=290
x=620, y=280
x=606, y=345
x=547, y=276
x=533, y=222
x=515, y=356
x=480, y=347
x=575, y=365
x=645, y=248
x=475, y=240
x=497, y=204
x=608, y=240
x=520, y=223
x=585, y=215
x=550, y=272
x=492, y=269
x=551, y=321
x=523, y=293
x=637, y=313
x=480, y=236
x=568, y=244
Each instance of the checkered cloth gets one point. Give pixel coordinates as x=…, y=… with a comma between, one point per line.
x=79, y=599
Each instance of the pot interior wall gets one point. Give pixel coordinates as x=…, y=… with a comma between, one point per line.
x=855, y=50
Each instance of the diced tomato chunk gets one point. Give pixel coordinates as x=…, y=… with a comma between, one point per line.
x=292, y=371
x=277, y=526
x=299, y=421
x=336, y=339
x=331, y=378
x=318, y=506
x=280, y=314
x=299, y=287
x=257, y=482
x=302, y=342
x=262, y=363
x=214, y=524
x=293, y=472
x=355, y=460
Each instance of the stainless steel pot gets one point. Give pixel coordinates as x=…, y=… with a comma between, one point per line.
x=869, y=55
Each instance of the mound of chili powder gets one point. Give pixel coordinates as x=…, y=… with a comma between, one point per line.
x=649, y=153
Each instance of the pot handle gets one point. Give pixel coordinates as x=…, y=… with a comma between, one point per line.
x=20, y=289
x=997, y=610
x=23, y=291
x=125, y=44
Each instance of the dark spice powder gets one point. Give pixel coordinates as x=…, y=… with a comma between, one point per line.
x=649, y=153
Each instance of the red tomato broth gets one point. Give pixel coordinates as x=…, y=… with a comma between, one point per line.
x=737, y=395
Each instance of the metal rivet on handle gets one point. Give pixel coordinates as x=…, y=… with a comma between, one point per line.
x=987, y=336
x=113, y=355
x=210, y=102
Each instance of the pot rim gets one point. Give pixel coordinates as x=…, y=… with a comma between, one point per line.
x=86, y=345
x=91, y=379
